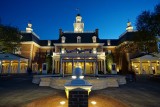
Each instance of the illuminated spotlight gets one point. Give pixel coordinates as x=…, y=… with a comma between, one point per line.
x=81, y=77
x=93, y=102
x=62, y=102
x=74, y=77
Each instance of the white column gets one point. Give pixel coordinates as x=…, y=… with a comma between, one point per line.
x=31, y=55
x=101, y=65
x=151, y=71
x=53, y=65
x=72, y=65
x=58, y=66
x=19, y=67
x=96, y=66
x=84, y=66
x=9, y=67
x=140, y=72
x=61, y=67
x=0, y=66
x=104, y=64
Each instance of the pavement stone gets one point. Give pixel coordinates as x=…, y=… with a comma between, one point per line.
x=16, y=91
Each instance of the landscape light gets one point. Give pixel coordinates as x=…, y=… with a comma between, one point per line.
x=62, y=102
x=81, y=77
x=93, y=102
x=74, y=77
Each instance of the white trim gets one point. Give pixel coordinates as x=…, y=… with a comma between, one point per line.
x=47, y=47
x=79, y=44
x=79, y=32
x=109, y=46
x=31, y=42
x=126, y=32
x=32, y=33
x=30, y=57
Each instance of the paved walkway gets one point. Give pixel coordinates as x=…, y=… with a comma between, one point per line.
x=18, y=91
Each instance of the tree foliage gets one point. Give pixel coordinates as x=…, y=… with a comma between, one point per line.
x=109, y=62
x=9, y=38
x=149, y=21
x=148, y=26
x=49, y=63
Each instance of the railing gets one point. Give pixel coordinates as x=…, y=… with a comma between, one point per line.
x=79, y=54
x=78, y=32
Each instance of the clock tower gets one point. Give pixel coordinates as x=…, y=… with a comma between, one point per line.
x=78, y=25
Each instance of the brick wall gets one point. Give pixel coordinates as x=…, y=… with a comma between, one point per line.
x=78, y=98
x=25, y=50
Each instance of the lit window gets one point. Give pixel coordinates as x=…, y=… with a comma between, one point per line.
x=78, y=48
x=49, y=43
x=94, y=50
x=109, y=51
x=17, y=50
x=108, y=42
x=78, y=39
x=62, y=50
x=94, y=39
x=63, y=39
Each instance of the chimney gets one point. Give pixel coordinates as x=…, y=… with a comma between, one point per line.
x=96, y=32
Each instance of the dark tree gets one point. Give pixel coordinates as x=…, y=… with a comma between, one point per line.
x=49, y=62
x=9, y=38
x=149, y=21
x=156, y=16
x=109, y=62
x=148, y=26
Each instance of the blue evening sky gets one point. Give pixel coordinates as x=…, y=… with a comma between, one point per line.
x=48, y=16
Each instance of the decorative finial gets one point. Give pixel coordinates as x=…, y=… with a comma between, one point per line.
x=29, y=27
x=129, y=27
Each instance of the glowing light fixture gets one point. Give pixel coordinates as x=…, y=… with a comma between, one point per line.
x=74, y=77
x=81, y=77
x=93, y=102
x=62, y=51
x=62, y=102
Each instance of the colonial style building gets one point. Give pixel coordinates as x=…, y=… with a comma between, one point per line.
x=84, y=48
x=78, y=46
